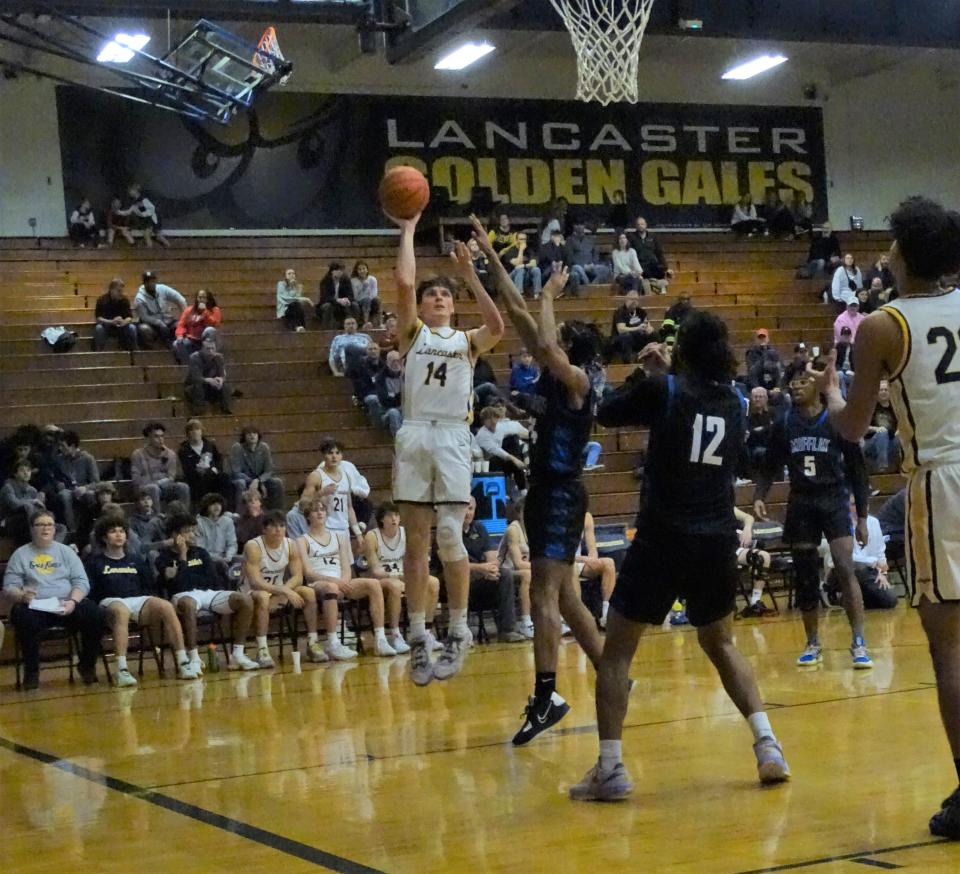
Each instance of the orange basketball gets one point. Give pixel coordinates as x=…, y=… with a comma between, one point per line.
x=404, y=191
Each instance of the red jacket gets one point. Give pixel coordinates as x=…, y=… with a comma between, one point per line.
x=193, y=323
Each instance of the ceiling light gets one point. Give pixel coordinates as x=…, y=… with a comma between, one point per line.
x=464, y=56
x=121, y=49
x=755, y=67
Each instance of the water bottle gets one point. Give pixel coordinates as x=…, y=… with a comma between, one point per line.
x=213, y=661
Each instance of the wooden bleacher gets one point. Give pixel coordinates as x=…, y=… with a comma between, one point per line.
x=286, y=387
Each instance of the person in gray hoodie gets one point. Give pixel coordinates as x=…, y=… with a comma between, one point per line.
x=216, y=533
x=18, y=499
x=251, y=466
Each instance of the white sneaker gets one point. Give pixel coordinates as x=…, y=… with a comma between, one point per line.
x=264, y=658
x=187, y=671
x=455, y=649
x=433, y=645
x=299, y=329
x=241, y=662
x=565, y=630
x=398, y=643
x=382, y=648
x=316, y=653
x=125, y=679
x=196, y=665
x=526, y=629
x=337, y=652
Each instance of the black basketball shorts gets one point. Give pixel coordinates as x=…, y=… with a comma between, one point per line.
x=553, y=516
x=811, y=516
x=663, y=566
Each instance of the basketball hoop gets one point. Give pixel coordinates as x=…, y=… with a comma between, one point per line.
x=268, y=54
x=606, y=36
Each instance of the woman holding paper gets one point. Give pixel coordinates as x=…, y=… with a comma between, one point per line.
x=46, y=584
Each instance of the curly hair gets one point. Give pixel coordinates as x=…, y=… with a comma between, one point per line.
x=928, y=237
x=446, y=282
x=581, y=341
x=703, y=348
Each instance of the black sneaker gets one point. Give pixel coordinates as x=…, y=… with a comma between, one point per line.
x=89, y=676
x=945, y=823
x=31, y=681
x=539, y=716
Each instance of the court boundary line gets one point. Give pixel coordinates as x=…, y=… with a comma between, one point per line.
x=846, y=857
x=241, y=829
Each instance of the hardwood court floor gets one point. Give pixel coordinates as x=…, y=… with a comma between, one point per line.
x=353, y=769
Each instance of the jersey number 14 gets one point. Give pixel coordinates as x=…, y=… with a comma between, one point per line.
x=438, y=375
x=711, y=425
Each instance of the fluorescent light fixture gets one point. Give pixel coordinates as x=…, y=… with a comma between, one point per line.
x=464, y=56
x=121, y=49
x=755, y=67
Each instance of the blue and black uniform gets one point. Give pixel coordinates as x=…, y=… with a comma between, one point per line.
x=686, y=539
x=824, y=469
x=557, y=499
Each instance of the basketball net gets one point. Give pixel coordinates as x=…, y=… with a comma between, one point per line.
x=268, y=51
x=606, y=36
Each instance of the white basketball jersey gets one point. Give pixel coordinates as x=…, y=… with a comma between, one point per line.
x=338, y=516
x=925, y=387
x=438, y=377
x=324, y=560
x=391, y=557
x=273, y=562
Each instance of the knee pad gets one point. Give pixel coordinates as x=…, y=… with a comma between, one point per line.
x=806, y=568
x=450, y=532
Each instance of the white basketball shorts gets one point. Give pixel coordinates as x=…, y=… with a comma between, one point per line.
x=134, y=605
x=208, y=599
x=933, y=534
x=431, y=463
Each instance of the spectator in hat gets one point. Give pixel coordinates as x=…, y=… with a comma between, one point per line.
x=114, y=318
x=850, y=318
x=158, y=308
x=758, y=349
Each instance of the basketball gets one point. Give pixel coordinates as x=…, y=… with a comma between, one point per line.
x=404, y=192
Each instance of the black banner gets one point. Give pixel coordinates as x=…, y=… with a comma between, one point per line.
x=314, y=160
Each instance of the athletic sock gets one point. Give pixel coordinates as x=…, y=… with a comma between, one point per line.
x=458, y=622
x=546, y=684
x=237, y=650
x=956, y=764
x=604, y=609
x=418, y=625
x=526, y=620
x=759, y=724
x=194, y=654
x=755, y=596
x=261, y=641
x=610, y=754
x=311, y=637
x=379, y=634
x=121, y=663
x=181, y=656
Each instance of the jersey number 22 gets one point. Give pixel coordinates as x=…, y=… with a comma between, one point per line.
x=714, y=425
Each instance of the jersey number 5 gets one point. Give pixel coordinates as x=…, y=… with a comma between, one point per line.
x=716, y=426
x=438, y=375
x=943, y=372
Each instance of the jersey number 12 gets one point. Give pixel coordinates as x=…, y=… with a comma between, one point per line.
x=438, y=375
x=716, y=426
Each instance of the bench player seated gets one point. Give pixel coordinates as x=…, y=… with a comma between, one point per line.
x=750, y=556
x=325, y=556
x=383, y=548
x=191, y=580
x=121, y=585
x=273, y=574
x=590, y=566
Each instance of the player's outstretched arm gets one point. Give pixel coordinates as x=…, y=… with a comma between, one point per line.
x=639, y=401
x=489, y=334
x=548, y=350
x=405, y=276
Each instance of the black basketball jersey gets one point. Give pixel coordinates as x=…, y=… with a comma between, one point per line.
x=696, y=434
x=561, y=433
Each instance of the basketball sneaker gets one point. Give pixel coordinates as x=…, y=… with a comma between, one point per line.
x=433, y=645
x=196, y=665
x=526, y=629
x=771, y=765
x=400, y=646
x=421, y=669
x=125, y=679
x=811, y=656
x=336, y=651
x=241, y=662
x=264, y=659
x=539, y=716
x=315, y=652
x=861, y=658
x=382, y=648
x=187, y=671
x=455, y=649
x=945, y=823
x=600, y=785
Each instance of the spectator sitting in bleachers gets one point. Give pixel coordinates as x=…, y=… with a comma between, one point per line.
x=485, y=386
x=153, y=468
x=631, y=329
x=888, y=285
x=590, y=565
x=759, y=348
x=627, y=272
x=514, y=554
x=881, y=446
x=144, y=216
x=249, y=523
x=749, y=556
x=122, y=585
x=79, y=474
x=389, y=339
x=656, y=274
x=388, y=393
x=49, y=477
x=201, y=462
x=186, y=572
x=118, y=222
x=555, y=255
x=583, y=254
x=760, y=421
x=521, y=263
x=217, y=534
x=350, y=342
x=148, y=525
x=524, y=373
x=502, y=237
x=767, y=372
x=158, y=308
x=744, y=220
x=296, y=522
x=336, y=302
x=481, y=266
x=845, y=358
x=620, y=212
x=206, y=380
x=366, y=294
x=494, y=452
x=679, y=309
x=83, y=226
x=41, y=569
x=251, y=467
x=823, y=258
x=18, y=501
x=802, y=211
x=850, y=318
x=777, y=215
x=361, y=370
x=114, y=318
x=197, y=322
x=291, y=301
x=847, y=281
x=796, y=365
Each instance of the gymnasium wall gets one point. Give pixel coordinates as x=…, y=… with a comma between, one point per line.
x=887, y=132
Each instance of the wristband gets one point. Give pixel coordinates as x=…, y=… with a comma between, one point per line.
x=357, y=530
x=73, y=600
